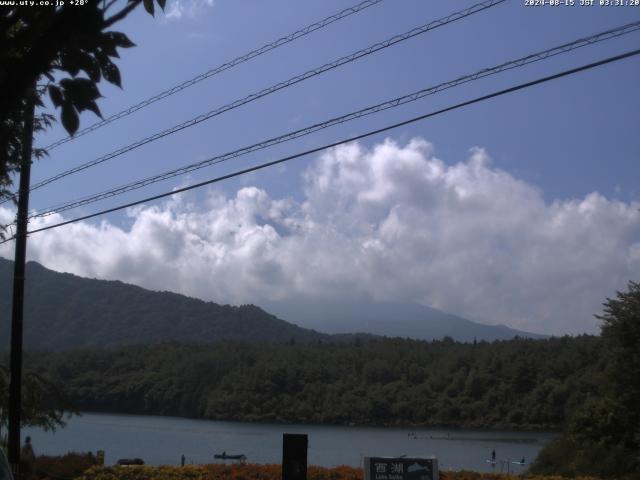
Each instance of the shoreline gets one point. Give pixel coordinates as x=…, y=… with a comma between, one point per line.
x=397, y=426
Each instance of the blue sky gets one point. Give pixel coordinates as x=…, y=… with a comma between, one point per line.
x=549, y=174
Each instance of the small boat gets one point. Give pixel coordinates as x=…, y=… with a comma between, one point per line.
x=227, y=456
x=127, y=462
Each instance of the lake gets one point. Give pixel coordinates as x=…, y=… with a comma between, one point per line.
x=162, y=440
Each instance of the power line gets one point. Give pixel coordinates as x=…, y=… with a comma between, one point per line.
x=346, y=140
x=279, y=86
x=532, y=58
x=221, y=68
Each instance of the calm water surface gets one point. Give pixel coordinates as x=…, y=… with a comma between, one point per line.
x=161, y=441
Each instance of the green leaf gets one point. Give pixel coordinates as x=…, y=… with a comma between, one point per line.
x=79, y=89
x=112, y=74
x=148, y=6
x=82, y=104
x=68, y=62
x=108, y=46
x=70, y=120
x=93, y=106
x=90, y=65
x=56, y=95
x=83, y=95
x=74, y=60
x=120, y=39
x=40, y=153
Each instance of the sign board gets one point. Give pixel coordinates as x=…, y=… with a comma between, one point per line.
x=400, y=468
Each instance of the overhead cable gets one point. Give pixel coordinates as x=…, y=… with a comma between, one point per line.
x=520, y=62
x=343, y=141
x=279, y=86
x=219, y=69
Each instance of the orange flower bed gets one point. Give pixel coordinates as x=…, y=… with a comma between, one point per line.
x=216, y=472
x=264, y=472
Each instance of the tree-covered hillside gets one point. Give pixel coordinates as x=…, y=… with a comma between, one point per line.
x=519, y=383
x=601, y=436
x=64, y=311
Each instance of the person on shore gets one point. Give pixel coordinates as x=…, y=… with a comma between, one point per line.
x=182, y=459
x=27, y=459
x=493, y=455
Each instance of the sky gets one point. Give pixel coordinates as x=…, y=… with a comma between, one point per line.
x=523, y=210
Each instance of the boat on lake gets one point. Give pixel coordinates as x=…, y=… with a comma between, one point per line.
x=227, y=456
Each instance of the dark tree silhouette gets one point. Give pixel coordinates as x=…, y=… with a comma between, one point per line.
x=602, y=436
x=71, y=49
x=44, y=403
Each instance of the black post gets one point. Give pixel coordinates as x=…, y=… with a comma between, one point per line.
x=15, y=388
x=294, y=456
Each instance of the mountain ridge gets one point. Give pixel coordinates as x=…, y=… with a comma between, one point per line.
x=391, y=319
x=69, y=311
x=64, y=311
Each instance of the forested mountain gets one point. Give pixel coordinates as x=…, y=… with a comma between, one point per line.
x=505, y=384
x=65, y=311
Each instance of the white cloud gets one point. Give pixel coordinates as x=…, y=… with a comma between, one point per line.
x=177, y=9
x=393, y=223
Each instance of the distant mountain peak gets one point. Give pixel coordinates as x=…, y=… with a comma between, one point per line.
x=393, y=319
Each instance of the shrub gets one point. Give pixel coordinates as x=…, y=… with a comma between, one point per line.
x=69, y=466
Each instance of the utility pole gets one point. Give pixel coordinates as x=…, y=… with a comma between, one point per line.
x=15, y=387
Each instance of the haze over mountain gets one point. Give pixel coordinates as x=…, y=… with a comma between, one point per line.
x=391, y=319
x=64, y=311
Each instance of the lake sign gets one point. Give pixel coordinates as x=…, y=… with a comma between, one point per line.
x=400, y=468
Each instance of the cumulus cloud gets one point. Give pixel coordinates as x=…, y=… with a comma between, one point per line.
x=177, y=9
x=391, y=223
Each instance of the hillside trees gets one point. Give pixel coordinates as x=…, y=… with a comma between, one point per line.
x=621, y=334
x=602, y=435
x=387, y=382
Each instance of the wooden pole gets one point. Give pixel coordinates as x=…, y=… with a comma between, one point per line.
x=15, y=387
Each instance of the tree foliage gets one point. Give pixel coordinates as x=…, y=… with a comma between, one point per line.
x=602, y=436
x=44, y=404
x=13, y=128
x=388, y=382
x=69, y=47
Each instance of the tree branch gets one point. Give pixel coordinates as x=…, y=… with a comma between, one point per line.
x=108, y=5
x=122, y=13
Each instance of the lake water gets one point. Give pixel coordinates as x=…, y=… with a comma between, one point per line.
x=162, y=440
